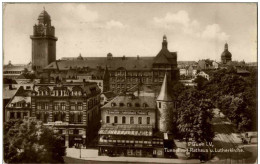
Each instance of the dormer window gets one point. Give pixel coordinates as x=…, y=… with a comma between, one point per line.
x=137, y=105
x=113, y=104
x=121, y=104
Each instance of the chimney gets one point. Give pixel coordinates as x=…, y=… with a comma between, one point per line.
x=137, y=57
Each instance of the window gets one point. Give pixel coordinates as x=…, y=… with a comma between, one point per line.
x=18, y=115
x=148, y=120
x=80, y=106
x=121, y=104
x=56, y=117
x=132, y=120
x=137, y=105
x=72, y=106
x=46, y=106
x=24, y=114
x=80, y=118
x=159, y=104
x=139, y=120
x=45, y=118
x=123, y=120
x=38, y=106
x=71, y=117
x=129, y=104
x=63, y=117
x=56, y=106
x=63, y=106
x=115, y=119
x=75, y=131
x=42, y=105
x=107, y=119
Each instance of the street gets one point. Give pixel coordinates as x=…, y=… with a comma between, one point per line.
x=227, y=137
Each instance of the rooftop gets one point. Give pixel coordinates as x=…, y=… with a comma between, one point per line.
x=131, y=101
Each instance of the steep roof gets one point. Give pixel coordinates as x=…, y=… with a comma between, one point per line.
x=164, y=93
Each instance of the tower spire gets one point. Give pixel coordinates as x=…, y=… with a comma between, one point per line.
x=164, y=43
x=226, y=46
x=164, y=93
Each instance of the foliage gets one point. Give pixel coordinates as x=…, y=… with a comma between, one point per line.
x=29, y=141
x=194, y=115
x=201, y=81
x=235, y=96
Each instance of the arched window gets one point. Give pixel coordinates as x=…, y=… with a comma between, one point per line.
x=115, y=120
x=132, y=120
x=107, y=119
x=123, y=120
x=139, y=120
x=148, y=120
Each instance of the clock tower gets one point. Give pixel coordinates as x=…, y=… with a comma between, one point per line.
x=43, y=42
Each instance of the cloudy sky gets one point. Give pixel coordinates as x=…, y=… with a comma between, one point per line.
x=195, y=30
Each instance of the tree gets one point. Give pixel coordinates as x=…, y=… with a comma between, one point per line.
x=201, y=81
x=28, y=141
x=194, y=115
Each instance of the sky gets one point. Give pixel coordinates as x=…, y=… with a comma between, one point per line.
x=194, y=30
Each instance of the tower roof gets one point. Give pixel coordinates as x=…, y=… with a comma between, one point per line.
x=44, y=17
x=164, y=93
x=226, y=53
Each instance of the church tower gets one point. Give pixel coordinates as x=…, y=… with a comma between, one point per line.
x=165, y=108
x=43, y=42
x=226, y=56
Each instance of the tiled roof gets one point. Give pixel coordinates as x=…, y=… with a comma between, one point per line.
x=124, y=99
x=165, y=56
x=17, y=99
x=129, y=63
x=17, y=67
x=7, y=93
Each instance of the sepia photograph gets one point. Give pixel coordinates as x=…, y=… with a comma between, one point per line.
x=121, y=82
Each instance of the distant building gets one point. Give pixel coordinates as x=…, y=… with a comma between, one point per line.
x=124, y=72
x=72, y=108
x=226, y=56
x=19, y=106
x=11, y=71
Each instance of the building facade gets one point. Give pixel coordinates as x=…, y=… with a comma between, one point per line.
x=134, y=125
x=124, y=72
x=43, y=42
x=19, y=106
x=72, y=108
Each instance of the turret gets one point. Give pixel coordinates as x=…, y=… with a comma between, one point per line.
x=165, y=108
x=164, y=43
